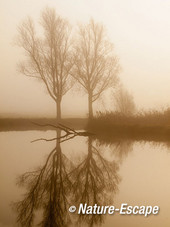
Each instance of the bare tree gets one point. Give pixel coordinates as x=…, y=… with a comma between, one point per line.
x=124, y=102
x=95, y=66
x=48, y=55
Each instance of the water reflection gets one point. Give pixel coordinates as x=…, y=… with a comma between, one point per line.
x=60, y=183
x=95, y=182
x=120, y=148
x=48, y=188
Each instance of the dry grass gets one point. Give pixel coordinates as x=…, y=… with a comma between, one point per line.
x=151, y=125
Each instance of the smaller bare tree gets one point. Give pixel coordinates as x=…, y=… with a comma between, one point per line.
x=123, y=101
x=95, y=66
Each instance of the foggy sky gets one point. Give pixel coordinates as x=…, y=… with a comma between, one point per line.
x=140, y=31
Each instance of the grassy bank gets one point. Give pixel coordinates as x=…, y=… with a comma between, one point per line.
x=23, y=124
x=152, y=125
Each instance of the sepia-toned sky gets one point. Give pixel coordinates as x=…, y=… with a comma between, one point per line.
x=139, y=29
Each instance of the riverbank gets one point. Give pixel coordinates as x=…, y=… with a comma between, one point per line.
x=24, y=124
x=150, y=126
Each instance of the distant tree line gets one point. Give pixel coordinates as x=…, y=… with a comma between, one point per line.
x=60, y=57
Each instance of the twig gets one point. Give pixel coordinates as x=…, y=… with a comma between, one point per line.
x=67, y=127
x=47, y=140
x=59, y=126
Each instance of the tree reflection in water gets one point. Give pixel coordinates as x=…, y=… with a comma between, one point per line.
x=96, y=180
x=60, y=183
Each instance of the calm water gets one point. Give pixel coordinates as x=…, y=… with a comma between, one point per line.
x=43, y=179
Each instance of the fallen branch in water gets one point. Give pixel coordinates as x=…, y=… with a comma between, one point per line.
x=68, y=132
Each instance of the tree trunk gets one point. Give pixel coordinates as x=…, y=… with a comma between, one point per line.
x=90, y=106
x=90, y=147
x=58, y=110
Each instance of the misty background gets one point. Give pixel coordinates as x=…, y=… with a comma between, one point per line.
x=140, y=33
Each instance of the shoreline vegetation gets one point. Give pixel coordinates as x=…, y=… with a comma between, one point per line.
x=149, y=126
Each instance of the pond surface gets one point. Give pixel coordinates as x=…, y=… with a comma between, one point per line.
x=41, y=180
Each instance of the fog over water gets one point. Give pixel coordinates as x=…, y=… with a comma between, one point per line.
x=139, y=30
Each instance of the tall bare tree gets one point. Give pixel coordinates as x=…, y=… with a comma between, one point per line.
x=48, y=55
x=95, y=66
